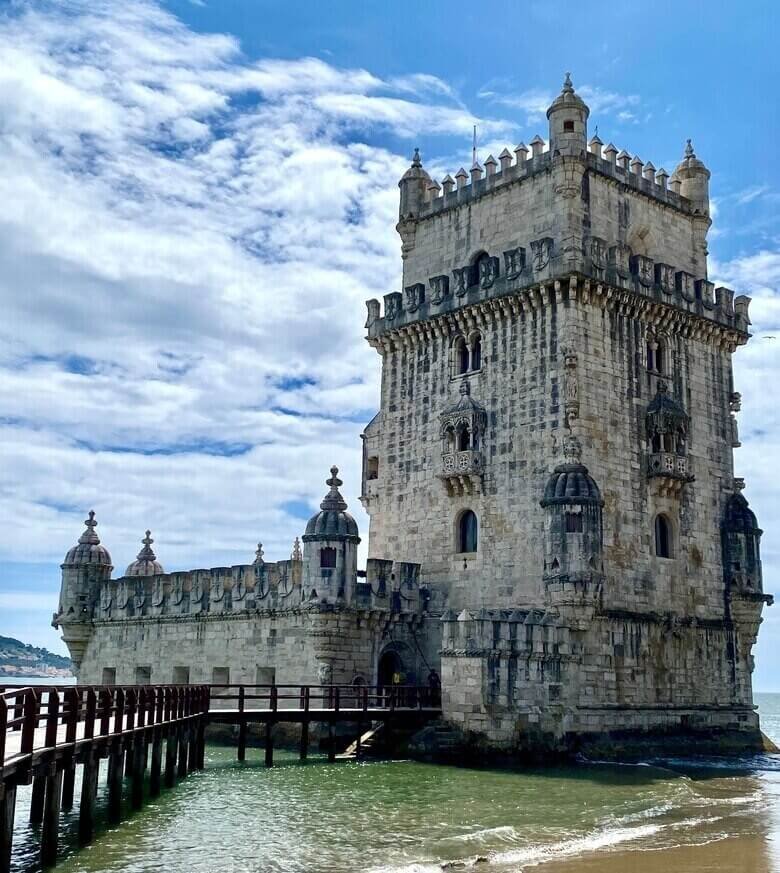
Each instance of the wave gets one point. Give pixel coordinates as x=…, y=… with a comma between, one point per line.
x=504, y=832
x=603, y=839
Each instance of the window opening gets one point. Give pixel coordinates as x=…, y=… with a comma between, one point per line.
x=663, y=537
x=467, y=532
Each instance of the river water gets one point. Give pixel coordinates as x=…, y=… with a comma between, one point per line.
x=407, y=817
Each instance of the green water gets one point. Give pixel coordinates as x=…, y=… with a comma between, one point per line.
x=406, y=816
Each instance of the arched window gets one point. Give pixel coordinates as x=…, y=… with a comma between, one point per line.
x=651, y=347
x=460, y=356
x=467, y=532
x=476, y=352
x=573, y=522
x=660, y=357
x=663, y=537
x=328, y=557
x=463, y=440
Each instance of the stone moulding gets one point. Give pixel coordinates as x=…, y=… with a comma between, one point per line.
x=573, y=287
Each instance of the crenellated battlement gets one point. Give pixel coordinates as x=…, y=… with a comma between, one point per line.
x=607, y=273
x=522, y=163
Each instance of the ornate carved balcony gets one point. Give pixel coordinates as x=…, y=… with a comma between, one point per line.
x=672, y=470
x=462, y=471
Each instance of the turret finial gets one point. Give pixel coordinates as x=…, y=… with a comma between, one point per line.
x=333, y=500
x=89, y=536
x=689, y=149
x=416, y=162
x=568, y=88
x=259, y=554
x=465, y=388
x=662, y=387
x=147, y=540
x=297, y=555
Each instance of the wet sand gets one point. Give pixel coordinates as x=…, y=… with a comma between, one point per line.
x=748, y=854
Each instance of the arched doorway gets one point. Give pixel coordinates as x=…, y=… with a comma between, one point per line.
x=390, y=663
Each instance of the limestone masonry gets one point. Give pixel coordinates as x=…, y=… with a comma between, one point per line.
x=555, y=525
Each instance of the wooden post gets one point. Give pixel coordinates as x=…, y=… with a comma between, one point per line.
x=7, y=810
x=359, y=744
x=331, y=741
x=89, y=781
x=115, y=767
x=154, y=774
x=73, y=703
x=192, y=763
x=51, y=818
x=37, y=799
x=269, y=744
x=182, y=768
x=242, y=725
x=138, y=752
x=171, y=748
x=304, y=740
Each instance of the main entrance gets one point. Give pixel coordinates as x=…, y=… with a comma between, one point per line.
x=389, y=664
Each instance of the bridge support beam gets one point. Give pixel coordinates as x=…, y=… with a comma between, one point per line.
x=182, y=768
x=37, y=798
x=50, y=832
x=242, y=727
x=156, y=766
x=331, y=741
x=89, y=782
x=304, y=751
x=68, y=785
x=137, y=774
x=115, y=772
x=269, y=744
x=7, y=811
x=192, y=749
x=201, y=734
x=171, y=747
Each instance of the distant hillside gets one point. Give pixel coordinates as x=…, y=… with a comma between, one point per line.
x=17, y=659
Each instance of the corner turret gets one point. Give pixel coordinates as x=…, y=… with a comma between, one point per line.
x=694, y=179
x=414, y=184
x=568, y=117
x=330, y=549
x=86, y=566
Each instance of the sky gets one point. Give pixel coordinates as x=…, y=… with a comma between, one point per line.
x=199, y=195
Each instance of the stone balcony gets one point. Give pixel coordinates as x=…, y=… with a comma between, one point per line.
x=670, y=469
x=462, y=471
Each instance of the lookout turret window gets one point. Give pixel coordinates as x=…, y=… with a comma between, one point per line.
x=328, y=558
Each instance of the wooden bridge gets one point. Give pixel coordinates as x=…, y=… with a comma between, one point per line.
x=159, y=730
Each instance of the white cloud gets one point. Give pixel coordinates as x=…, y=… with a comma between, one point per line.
x=187, y=240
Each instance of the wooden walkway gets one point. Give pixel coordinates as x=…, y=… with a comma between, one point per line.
x=46, y=732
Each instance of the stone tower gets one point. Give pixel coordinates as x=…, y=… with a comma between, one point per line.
x=565, y=291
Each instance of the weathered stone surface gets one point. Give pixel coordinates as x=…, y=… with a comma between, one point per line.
x=558, y=365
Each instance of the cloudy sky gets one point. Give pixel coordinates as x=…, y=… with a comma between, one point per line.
x=197, y=196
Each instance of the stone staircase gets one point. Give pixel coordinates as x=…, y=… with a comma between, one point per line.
x=371, y=745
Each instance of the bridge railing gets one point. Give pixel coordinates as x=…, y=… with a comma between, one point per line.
x=336, y=698
x=39, y=717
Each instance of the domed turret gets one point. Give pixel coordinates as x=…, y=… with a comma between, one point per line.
x=573, y=532
x=568, y=117
x=330, y=548
x=741, y=539
x=414, y=183
x=88, y=549
x=694, y=179
x=146, y=563
x=87, y=566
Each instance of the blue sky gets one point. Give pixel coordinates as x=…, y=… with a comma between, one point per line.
x=199, y=195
